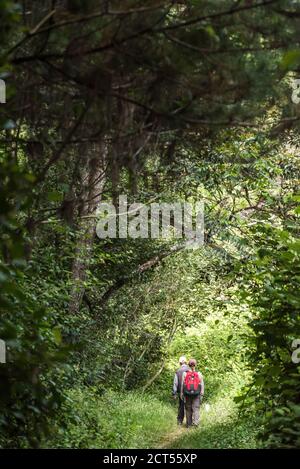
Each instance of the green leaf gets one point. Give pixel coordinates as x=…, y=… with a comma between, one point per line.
x=57, y=335
x=55, y=196
x=290, y=59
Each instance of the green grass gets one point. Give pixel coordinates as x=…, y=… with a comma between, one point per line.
x=221, y=427
x=135, y=420
x=115, y=420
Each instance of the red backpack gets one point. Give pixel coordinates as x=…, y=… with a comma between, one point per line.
x=192, y=384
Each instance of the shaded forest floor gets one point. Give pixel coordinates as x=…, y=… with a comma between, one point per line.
x=132, y=420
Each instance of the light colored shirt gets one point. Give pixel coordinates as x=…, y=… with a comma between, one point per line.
x=176, y=381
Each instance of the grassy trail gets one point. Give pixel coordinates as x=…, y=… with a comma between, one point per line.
x=220, y=427
x=172, y=436
x=133, y=420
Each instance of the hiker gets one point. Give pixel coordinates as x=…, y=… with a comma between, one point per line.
x=177, y=387
x=192, y=392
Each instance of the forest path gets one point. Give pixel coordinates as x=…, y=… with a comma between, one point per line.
x=220, y=427
x=171, y=437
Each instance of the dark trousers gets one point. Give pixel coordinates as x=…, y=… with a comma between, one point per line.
x=180, y=415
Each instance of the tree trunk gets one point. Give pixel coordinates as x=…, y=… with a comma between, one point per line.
x=93, y=180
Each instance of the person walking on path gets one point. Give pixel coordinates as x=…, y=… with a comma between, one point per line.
x=192, y=392
x=177, y=388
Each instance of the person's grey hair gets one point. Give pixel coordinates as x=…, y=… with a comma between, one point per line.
x=182, y=360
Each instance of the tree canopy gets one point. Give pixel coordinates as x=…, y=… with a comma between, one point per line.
x=161, y=101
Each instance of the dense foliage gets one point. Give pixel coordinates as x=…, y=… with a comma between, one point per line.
x=161, y=101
